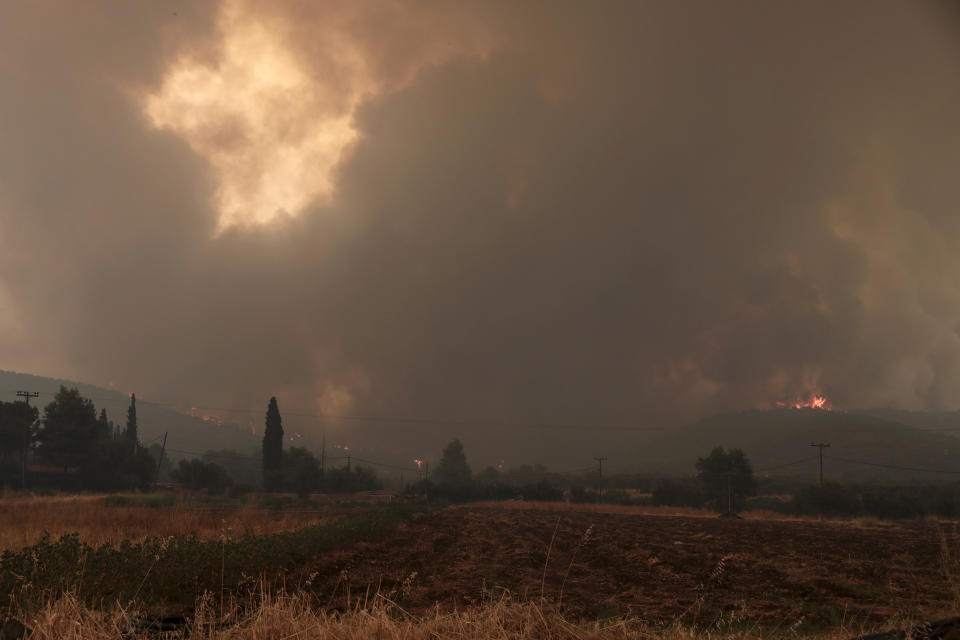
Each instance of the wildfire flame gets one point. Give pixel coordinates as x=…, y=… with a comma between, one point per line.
x=813, y=402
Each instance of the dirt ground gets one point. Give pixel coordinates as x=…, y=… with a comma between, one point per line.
x=786, y=575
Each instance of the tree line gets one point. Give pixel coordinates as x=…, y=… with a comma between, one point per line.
x=296, y=470
x=72, y=446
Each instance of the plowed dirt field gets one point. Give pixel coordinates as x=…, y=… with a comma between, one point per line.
x=782, y=574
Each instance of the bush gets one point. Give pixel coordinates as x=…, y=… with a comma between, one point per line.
x=541, y=491
x=302, y=472
x=893, y=503
x=197, y=475
x=499, y=491
x=616, y=496
x=834, y=499
x=677, y=493
x=581, y=494
x=153, y=501
x=351, y=481
x=118, y=465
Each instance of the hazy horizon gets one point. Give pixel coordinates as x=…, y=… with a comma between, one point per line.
x=498, y=213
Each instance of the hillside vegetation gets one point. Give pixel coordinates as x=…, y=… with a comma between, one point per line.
x=777, y=437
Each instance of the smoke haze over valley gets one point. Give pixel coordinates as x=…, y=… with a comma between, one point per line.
x=470, y=219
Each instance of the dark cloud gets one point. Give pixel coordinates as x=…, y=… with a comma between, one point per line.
x=552, y=213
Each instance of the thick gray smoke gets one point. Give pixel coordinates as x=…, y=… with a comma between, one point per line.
x=624, y=213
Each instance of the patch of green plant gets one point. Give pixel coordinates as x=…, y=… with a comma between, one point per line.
x=175, y=571
x=152, y=500
x=281, y=502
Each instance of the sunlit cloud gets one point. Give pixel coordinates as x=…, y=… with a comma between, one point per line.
x=272, y=131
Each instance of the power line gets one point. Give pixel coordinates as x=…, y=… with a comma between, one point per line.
x=382, y=464
x=821, y=446
x=785, y=464
x=893, y=466
x=210, y=454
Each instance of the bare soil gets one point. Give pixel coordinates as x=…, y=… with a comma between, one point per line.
x=787, y=575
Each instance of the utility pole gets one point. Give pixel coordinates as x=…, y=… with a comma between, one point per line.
x=26, y=395
x=729, y=494
x=163, y=448
x=820, y=445
x=323, y=453
x=600, y=481
x=348, y=463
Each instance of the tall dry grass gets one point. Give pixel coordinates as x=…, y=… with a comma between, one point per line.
x=25, y=519
x=285, y=617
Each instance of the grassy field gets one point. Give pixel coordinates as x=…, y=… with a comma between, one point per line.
x=275, y=568
x=99, y=519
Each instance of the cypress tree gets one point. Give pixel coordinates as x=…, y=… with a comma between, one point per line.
x=103, y=424
x=272, y=448
x=131, y=432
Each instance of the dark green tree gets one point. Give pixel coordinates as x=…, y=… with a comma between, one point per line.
x=273, y=449
x=302, y=471
x=725, y=477
x=453, y=478
x=71, y=431
x=678, y=493
x=196, y=475
x=14, y=418
x=131, y=432
x=344, y=480
x=103, y=424
x=114, y=467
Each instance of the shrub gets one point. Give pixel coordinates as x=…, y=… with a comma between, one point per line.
x=834, y=499
x=677, y=493
x=197, y=474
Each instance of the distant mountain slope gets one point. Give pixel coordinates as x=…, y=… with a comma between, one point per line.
x=186, y=433
x=773, y=438
x=946, y=421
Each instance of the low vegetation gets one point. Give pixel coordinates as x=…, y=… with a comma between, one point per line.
x=172, y=572
x=100, y=519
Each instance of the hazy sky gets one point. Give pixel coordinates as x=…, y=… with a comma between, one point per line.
x=616, y=212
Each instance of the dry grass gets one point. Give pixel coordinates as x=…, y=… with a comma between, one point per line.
x=25, y=519
x=288, y=617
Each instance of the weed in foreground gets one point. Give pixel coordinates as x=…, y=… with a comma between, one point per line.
x=284, y=616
